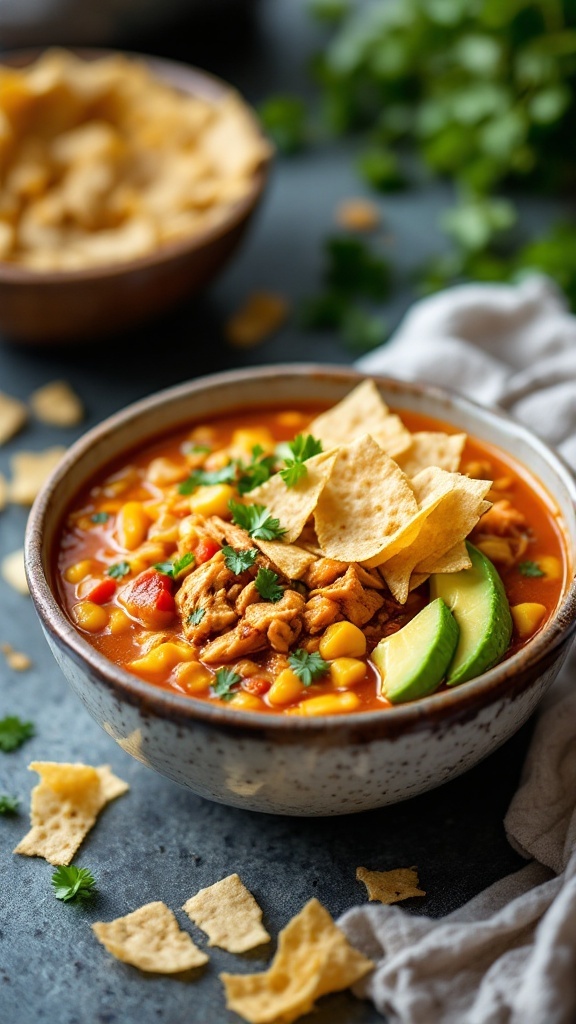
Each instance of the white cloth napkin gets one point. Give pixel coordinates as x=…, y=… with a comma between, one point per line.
x=509, y=955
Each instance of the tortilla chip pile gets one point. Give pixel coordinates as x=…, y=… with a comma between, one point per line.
x=378, y=495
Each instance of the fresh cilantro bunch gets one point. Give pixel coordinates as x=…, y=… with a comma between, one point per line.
x=72, y=883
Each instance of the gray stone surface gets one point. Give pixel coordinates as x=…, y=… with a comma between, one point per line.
x=160, y=841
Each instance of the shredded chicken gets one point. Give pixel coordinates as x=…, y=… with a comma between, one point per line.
x=207, y=588
x=320, y=612
x=265, y=624
x=323, y=572
x=355, y=602
x=503, y=519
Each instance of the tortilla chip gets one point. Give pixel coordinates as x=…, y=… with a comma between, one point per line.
x=313, y=958
x=366, y=500
x=357, y=214
x=390, y=886
x=294, y=505
x=56, y=403
x=261, y=315
x=362, y=411
x=454, y=560
x=229, y=915
x=16, y=660
x=151, y=939
x=64, y=807
x=13, y=571
x=13, y=416
x=291, y=560
x=432, y=448
x=29, y=471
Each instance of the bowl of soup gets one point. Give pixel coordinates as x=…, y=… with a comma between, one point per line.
x=301, y=590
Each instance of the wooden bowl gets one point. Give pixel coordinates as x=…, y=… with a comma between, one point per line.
x=63, y=306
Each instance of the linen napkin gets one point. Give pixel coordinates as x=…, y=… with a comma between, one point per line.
x=509, y=955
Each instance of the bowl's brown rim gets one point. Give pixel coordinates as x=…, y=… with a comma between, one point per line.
x=235, y=215
x=504, y=680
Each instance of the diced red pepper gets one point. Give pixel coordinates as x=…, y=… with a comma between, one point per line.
x=257, y=685
x=148, y=598
x=205, y=549
x=97, y=590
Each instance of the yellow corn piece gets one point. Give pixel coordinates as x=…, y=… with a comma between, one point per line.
x=342, y=640
x=194, y=677
x=165, y=528
x=527, y=617
x=345, y=672
x=90, y=616
x=551, y=567
x=132, y=525
x=217, y=460
x=292, y=418
x=244, y=440
x=119, y=622
x=497, y=549
x=212, y=500
x=163, y=658
x=246, y=701
x=330, y=704
x=80, y=570
x=286, y=688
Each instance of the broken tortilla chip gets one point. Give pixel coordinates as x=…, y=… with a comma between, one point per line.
x=13, y=571
x=313, y=958
x=16, y=660
x=13, y=416
x=262, y=314
x=432, y=448
x=362, y=411
x=150, y=938
x=291, y=560
x=56, y=403
x=64, y=807
x=294, y=505
x=357, y=214
x=453, y=560
x=390, y=886
x=229, y=915
x=29, y=471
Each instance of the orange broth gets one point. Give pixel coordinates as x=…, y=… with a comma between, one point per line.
x=84, y=540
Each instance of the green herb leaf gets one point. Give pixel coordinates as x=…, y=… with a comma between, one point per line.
x=14, y=732
x=293, y=472
x=256, y=472
x=308, y=667
x=267, y=585
x=226, y=683
x=72, y=883
x=195, y=617
x=118, y=570
x=353, y=269
x=175, y=566
x=239, y=561
x=8, y=804
x=284, y=120
x=100, y=517
x=205, y=478
x=256, y=520
x=530, y=569
x=189, y=448
x=303, y=447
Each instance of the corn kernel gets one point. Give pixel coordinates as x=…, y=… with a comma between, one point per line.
x=330, y=704
x=286, y=688
x=119, y=622
x=90, y=616
x=246, y=701
x=527, y=617
x=292, y=418
x=346, y=672
x=80, y=570
x=212, y=501
x=163, y=658
x=194, y=677
x=342, y=640
x=132, y=525
x=243, y=441
x=550, y=566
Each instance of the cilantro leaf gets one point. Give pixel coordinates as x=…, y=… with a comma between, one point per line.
x=530, y=569
x=174, y=567
x=8, y=804
x=303, y=447
x=267, y=585
x=14, y=732
x=189, y=448
x=100, y=517
x=308, y=667
x=239, y=561
x=72, y=883
x=195, y=617
x=256, y=520
x=293, y=472
x=226, y=683
x=118, y=570
x=284, y=121
x=256, y=472
x=206, y=478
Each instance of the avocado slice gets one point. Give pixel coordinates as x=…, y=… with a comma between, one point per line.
x=413, y=661
x=478, y=601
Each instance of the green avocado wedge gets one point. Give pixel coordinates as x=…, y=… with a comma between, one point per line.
x=413, y=661
x=478, y=601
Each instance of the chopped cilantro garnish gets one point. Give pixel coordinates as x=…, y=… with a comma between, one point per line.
x=100, y=517
x=189, y=448
x=118, y=570
x=72, y=883
x=206, y=478
x=14, y=732
x=308, y=667
x=303, y=447
x=255, y=472
x=530, y=569
x=239, y=561
x=256, y=520
x=174, y=567
x=8, y=804
x=195, y=617
x=226, y=682
x=267, y=585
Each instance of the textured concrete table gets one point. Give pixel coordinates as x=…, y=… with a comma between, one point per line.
x=160, y=842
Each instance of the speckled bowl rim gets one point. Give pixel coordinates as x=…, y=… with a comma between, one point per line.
x=506, y=679
x=208, y=85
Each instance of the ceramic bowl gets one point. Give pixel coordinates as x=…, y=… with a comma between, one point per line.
x=65, y=306
x=286, y=764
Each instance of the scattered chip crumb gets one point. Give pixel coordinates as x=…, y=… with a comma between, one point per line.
x=64, y=807
x=29, y=471
x=260, y=316
x=313, y=958
x=16, y=660
x=56, y=403
x=13, y=416
x=151, y=939
x=358, y=215
x=13, y=571
x=229, y=915
x=390, y=886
